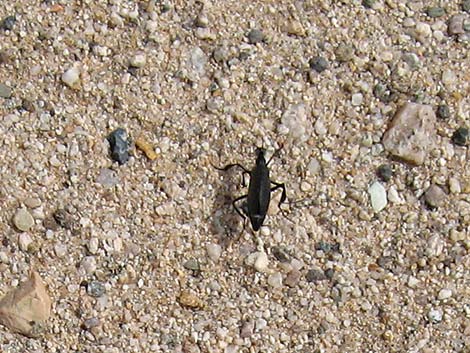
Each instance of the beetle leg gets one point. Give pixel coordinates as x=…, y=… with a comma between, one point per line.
x=276, y=152
x=230, y=166
x=284, y=192
x=239, y=211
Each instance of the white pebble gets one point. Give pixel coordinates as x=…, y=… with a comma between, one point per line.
x=305, y=186
x=23, y=220
x=449, y=78
x=454, y=185
x=412, y=282
x=314, y=166
x=275, y=280
x=60, y=250
x=393, y=195
x=423, y=29
x=214, y=251
x=320, y=128
x=88, y=265
x=93, y=245
x=378, y=196
x=435, y=315
x=261, y=324
x=138, y=60
x=71, y=77
x=261, y=262
x=24, y=240
x=444, y=293
x=356, y=99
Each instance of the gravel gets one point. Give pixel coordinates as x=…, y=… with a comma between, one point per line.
x=204, y=92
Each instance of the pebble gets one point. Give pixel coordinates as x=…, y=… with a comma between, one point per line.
x=368, y=3
x=95, y=289
x=456, y=23
x=444, y=293
x=275, y=280
x=280, y=253
x=107, y=177
x=435, y=11
x=318, y=63
x=90, y=323
x=305, y=186
x=356, y=99
x=423, y=30
x=393, y=195
x=412, y=60
x=434, y=196
x=296, y=120
x=261, y=262
x=24, y=241
x=32, y=202
x=295, y=28
x=93, y=245
x=190, y=300
x=71, y=77
x=460, y=136
x=88, y=265
x=315, y=275
x=292, y=278
x=261, y=324
x=454, y=185
x=411, y=132
x=443, y=111
x=448, y=78
x=60, y=250
x=384, y=172
x=247, y=328
x=214, y=251
x=466, y=6
x=435, y=315
x=192, y=264
x=119, y=146
x=138, y=60
x=255, y=36
x=142, y=144
x=23, y=220
x=378, y=196
x=435, y=246
x=344, y=53
x=314, y=166
x=5, y=91
x=8, y=23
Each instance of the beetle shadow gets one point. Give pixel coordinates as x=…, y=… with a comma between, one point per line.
x=226, y=223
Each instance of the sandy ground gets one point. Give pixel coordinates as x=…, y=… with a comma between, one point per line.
x=149, y=256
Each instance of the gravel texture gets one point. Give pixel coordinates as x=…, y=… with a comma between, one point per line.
x=205, y=83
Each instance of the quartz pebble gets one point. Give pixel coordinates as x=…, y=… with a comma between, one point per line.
x=261, y=262
x=296, y=120
x=88, y=265
x=411, y=133
x=214, y=251
x=24, y=241
x=456, y=24
x=71, y=77
x=435, y=315
x=23, y=220
x=138, y=60
x=444, y=294
x=107, y=177
x=378, y=196
x=275, y=280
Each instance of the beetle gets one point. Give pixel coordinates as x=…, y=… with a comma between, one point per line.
x=259, y=190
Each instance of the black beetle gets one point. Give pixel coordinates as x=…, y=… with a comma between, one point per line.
x=259, y=190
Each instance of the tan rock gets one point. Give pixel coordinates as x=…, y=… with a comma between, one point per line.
x=411, y=132
x=25, y=309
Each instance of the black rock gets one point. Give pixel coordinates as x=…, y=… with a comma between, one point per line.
x=318, y=63
x=119, y=146
x=443, y=111
x=255, y=36
x=8, y=23
x=460, y=136
x=384, y=172
x=315, y=275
